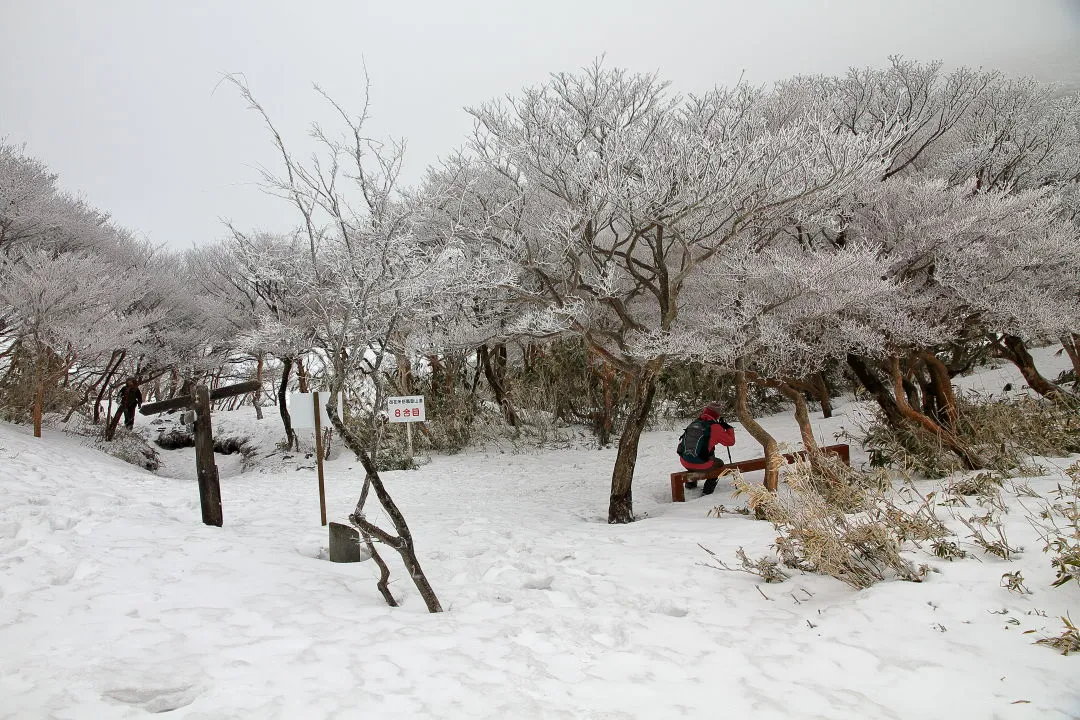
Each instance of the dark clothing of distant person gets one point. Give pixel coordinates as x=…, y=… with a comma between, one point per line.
x=130, y=400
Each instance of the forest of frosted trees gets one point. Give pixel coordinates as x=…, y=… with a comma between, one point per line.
x=601, y=250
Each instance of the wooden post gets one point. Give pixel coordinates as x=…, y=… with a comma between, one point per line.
x=318, y=457
x=408, y=439
x=209, y=486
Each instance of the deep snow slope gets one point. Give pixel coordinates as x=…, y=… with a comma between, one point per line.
x=115, y=601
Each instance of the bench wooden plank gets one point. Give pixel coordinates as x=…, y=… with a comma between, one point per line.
x=842, y=451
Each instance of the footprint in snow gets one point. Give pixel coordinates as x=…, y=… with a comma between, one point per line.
x=538, y=582
x=671, y=609
x=154, y=700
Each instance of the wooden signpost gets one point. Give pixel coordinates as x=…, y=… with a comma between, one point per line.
x=206, y=468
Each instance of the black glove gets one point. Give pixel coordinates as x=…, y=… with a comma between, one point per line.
x=723, y=424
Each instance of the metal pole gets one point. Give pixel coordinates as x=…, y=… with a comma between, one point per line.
x=318, y=457
x=408, y=438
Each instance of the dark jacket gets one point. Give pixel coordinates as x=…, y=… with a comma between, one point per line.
x=130, y=396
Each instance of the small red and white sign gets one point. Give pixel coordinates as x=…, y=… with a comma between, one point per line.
x=406, y=408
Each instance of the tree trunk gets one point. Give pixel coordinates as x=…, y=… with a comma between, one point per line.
x=301, y=375
x=403, y=542
x=1071, y=343
x=946, y=435
x=383, y=583
x=255, y=396
x=821, y=392
x=283, y=409
x=773, y=459
x=404, y=373
x=943, y=389
x=105, y=386
x=806, y=431
x=1017, y=352
x=91, y=389
x=39, y=401
x=875, y=387
x=929, y=396
x=492, y=371
x=621, y=500
x=114, y=422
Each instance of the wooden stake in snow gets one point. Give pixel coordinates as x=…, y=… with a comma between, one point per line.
x=206, y=468
x=319, y=455
x=314, y=415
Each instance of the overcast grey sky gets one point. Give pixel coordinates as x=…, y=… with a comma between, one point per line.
x=119, y=96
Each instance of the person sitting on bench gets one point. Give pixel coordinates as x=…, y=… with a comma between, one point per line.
x=698, y=444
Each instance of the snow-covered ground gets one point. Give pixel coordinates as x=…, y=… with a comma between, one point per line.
x=116, y=601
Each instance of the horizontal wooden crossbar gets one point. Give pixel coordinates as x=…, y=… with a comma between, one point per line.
x=186, y=401
x=678, y=478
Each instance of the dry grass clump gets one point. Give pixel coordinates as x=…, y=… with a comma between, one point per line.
x=764, y=567
x=1006, y=431
x=1065, y=643
x=984, y=484
x=1059, y=525
x=859, y=548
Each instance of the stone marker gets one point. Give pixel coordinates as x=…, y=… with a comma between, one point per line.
x=345, y=544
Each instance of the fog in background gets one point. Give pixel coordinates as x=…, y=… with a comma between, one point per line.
x=124, y=99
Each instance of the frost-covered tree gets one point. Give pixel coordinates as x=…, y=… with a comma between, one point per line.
x=619, y=191
x=787, y=310
x=67, y=309
x=369, y=279
x=994, y=262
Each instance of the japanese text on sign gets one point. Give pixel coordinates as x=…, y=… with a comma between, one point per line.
x=408, y=408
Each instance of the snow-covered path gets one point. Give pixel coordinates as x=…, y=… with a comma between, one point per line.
x=115, y=601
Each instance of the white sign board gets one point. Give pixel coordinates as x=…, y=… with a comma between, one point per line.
x=302, y=409
x=407, y=408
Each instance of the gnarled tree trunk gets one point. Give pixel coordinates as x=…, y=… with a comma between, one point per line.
x=821, y=392
x=806, y=431
x=283, y=409
x=1071, y=343
x=773, y=459
x=946, y=435
x=403, y=541
x=1014, y=349
x=943, y=390
x=878, y=389
x=495, y=373
x=621, y=500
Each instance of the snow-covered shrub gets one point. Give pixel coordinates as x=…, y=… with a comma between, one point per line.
x=903, y=447
x=816, y=535
x=981, y=484
x=1004, y=432
x=451, y=416
x=127, y=445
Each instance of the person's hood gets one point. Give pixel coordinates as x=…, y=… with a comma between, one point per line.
x=709, y=414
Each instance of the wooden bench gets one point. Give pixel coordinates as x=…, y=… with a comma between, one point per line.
x=679, y=478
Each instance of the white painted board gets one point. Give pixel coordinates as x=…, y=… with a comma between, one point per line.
x=302, y=411
x=406, y=408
